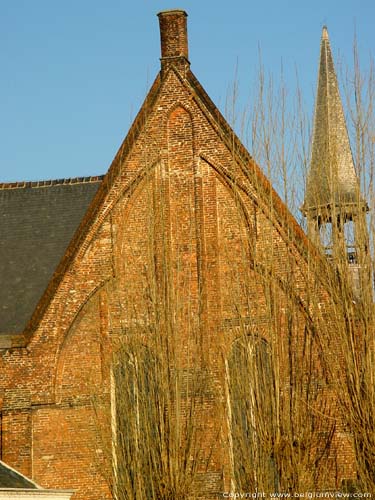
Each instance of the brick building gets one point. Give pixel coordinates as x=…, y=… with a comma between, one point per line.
x=177, y=254
x=15, y=485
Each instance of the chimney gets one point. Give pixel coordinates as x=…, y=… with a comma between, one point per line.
x=174, y=40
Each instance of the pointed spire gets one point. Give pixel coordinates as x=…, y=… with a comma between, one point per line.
x=325, y=33
x=332, y=183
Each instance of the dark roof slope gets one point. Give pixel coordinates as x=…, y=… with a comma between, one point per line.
x=263, y=185
x=37, y=222
x=9, y=478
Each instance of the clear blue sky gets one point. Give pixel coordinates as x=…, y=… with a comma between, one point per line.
x=74, y=73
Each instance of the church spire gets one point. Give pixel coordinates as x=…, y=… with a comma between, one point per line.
x=333, y=205
x=332, y=186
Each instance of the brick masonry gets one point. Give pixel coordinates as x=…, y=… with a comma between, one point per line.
x=181, y=189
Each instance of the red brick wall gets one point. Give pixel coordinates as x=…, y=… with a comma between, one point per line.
x=176, y=197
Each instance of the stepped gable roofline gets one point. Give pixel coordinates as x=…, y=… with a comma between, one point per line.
x=50, y=182
x=226, y=133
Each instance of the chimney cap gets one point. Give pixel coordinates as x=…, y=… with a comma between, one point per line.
x=171, y=11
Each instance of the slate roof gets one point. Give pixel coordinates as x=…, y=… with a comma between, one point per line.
x=38, y=228
x=37, y=222
x=9, y=478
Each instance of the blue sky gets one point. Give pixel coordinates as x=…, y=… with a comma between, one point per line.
x=74, y=73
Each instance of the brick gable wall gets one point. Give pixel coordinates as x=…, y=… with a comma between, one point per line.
x=183, y=214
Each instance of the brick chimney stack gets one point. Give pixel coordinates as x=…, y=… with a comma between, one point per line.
x=174, y=40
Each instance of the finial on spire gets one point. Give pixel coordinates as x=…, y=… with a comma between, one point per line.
x=325, y=33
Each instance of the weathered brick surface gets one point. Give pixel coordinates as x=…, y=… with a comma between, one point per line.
x=66, y=451
x=182, y=192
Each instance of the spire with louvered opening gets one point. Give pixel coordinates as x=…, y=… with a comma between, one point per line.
x=332, y=187
x=333, y=206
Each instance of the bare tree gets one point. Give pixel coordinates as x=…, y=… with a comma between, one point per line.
x=295, y=365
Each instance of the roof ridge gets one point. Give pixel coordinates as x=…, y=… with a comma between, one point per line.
x=50, y=182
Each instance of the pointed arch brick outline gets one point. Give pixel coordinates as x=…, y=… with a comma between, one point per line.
x=231, y=184
x=258, y=267
x=228, y=180
x=59, y=357
x=128, y=192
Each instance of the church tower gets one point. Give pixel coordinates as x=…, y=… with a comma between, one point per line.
x=333, y=205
